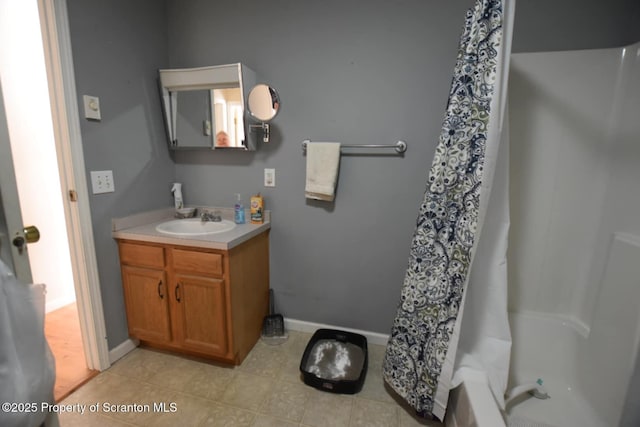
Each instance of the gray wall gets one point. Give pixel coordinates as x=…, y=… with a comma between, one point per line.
x=361, y=76
x=548, y=25
x=357, y=72
x=365, y=75
x=118, y=47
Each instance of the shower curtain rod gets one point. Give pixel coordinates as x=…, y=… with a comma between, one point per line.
x=399, y=146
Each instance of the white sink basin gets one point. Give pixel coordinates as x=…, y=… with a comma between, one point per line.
x=194, y=227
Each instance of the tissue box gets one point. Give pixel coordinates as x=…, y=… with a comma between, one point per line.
x=335, y=361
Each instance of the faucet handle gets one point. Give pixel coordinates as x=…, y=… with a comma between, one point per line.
x=208, y=216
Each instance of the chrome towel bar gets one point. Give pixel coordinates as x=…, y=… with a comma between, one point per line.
x=399, y=146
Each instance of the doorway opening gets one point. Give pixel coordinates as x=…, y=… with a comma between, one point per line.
x=62, y=329
x=26, y=97
x=35, y=61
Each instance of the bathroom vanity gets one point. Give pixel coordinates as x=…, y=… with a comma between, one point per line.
x=203, y=295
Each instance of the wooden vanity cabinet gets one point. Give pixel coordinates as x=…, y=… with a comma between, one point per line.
x=145, y=291
x=200, y=313
x=204, y=302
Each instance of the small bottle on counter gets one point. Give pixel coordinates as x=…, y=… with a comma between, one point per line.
x=257, y=209
x=177, y=195
x=238, y=214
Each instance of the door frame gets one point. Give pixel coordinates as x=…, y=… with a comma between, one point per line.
x=68, y=140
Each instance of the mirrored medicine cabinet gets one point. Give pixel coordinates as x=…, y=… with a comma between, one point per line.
x=206, y=107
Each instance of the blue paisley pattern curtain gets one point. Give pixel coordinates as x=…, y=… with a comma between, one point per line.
x=441, y=249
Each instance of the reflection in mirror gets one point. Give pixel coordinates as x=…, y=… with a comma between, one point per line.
x=227, y=116
x=205, y=107
x=263, y=102
x=193, y=118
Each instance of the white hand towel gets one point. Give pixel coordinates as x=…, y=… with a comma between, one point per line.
x=323, y=161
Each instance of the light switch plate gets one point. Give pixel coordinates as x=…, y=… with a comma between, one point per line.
x=269, y=177
x=91, y=107
x=102, y=182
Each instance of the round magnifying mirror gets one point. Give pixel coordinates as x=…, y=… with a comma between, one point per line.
x=264, y=102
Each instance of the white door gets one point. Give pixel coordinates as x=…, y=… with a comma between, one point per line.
x=13, y=239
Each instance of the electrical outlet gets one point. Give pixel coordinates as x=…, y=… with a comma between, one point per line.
x=269, y=177
x=102, y=182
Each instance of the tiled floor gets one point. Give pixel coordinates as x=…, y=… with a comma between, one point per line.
x=265, y=391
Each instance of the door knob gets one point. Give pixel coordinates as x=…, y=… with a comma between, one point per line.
x=31, y=233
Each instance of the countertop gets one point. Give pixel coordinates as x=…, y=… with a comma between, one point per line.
x=142, y=227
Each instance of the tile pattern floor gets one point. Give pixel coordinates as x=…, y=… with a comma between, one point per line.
x=265, y=391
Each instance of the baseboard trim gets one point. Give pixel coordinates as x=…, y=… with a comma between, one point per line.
x=59, y=302
x=304, y=326
x=122, y=350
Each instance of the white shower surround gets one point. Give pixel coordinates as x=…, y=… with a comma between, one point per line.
x=574, y=245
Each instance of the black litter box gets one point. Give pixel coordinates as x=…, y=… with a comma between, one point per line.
x=335, y=361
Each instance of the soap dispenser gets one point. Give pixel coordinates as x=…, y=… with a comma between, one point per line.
x=177, y=195
x=238, y=210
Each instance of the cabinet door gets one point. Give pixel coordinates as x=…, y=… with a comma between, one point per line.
x=201, y=307
x=146, y=298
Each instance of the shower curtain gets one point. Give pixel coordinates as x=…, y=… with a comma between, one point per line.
x=421, y=362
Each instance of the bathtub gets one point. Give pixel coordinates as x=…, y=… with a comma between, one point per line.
x=552, y=349
x=574, y=242
x=587, y=372
x=471, y=404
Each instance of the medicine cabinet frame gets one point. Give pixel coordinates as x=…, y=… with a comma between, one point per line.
x=177, y=86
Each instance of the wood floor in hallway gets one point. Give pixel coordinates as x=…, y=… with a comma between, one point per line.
x=62, y=329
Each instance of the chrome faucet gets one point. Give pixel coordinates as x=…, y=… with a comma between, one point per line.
x=208, y=216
